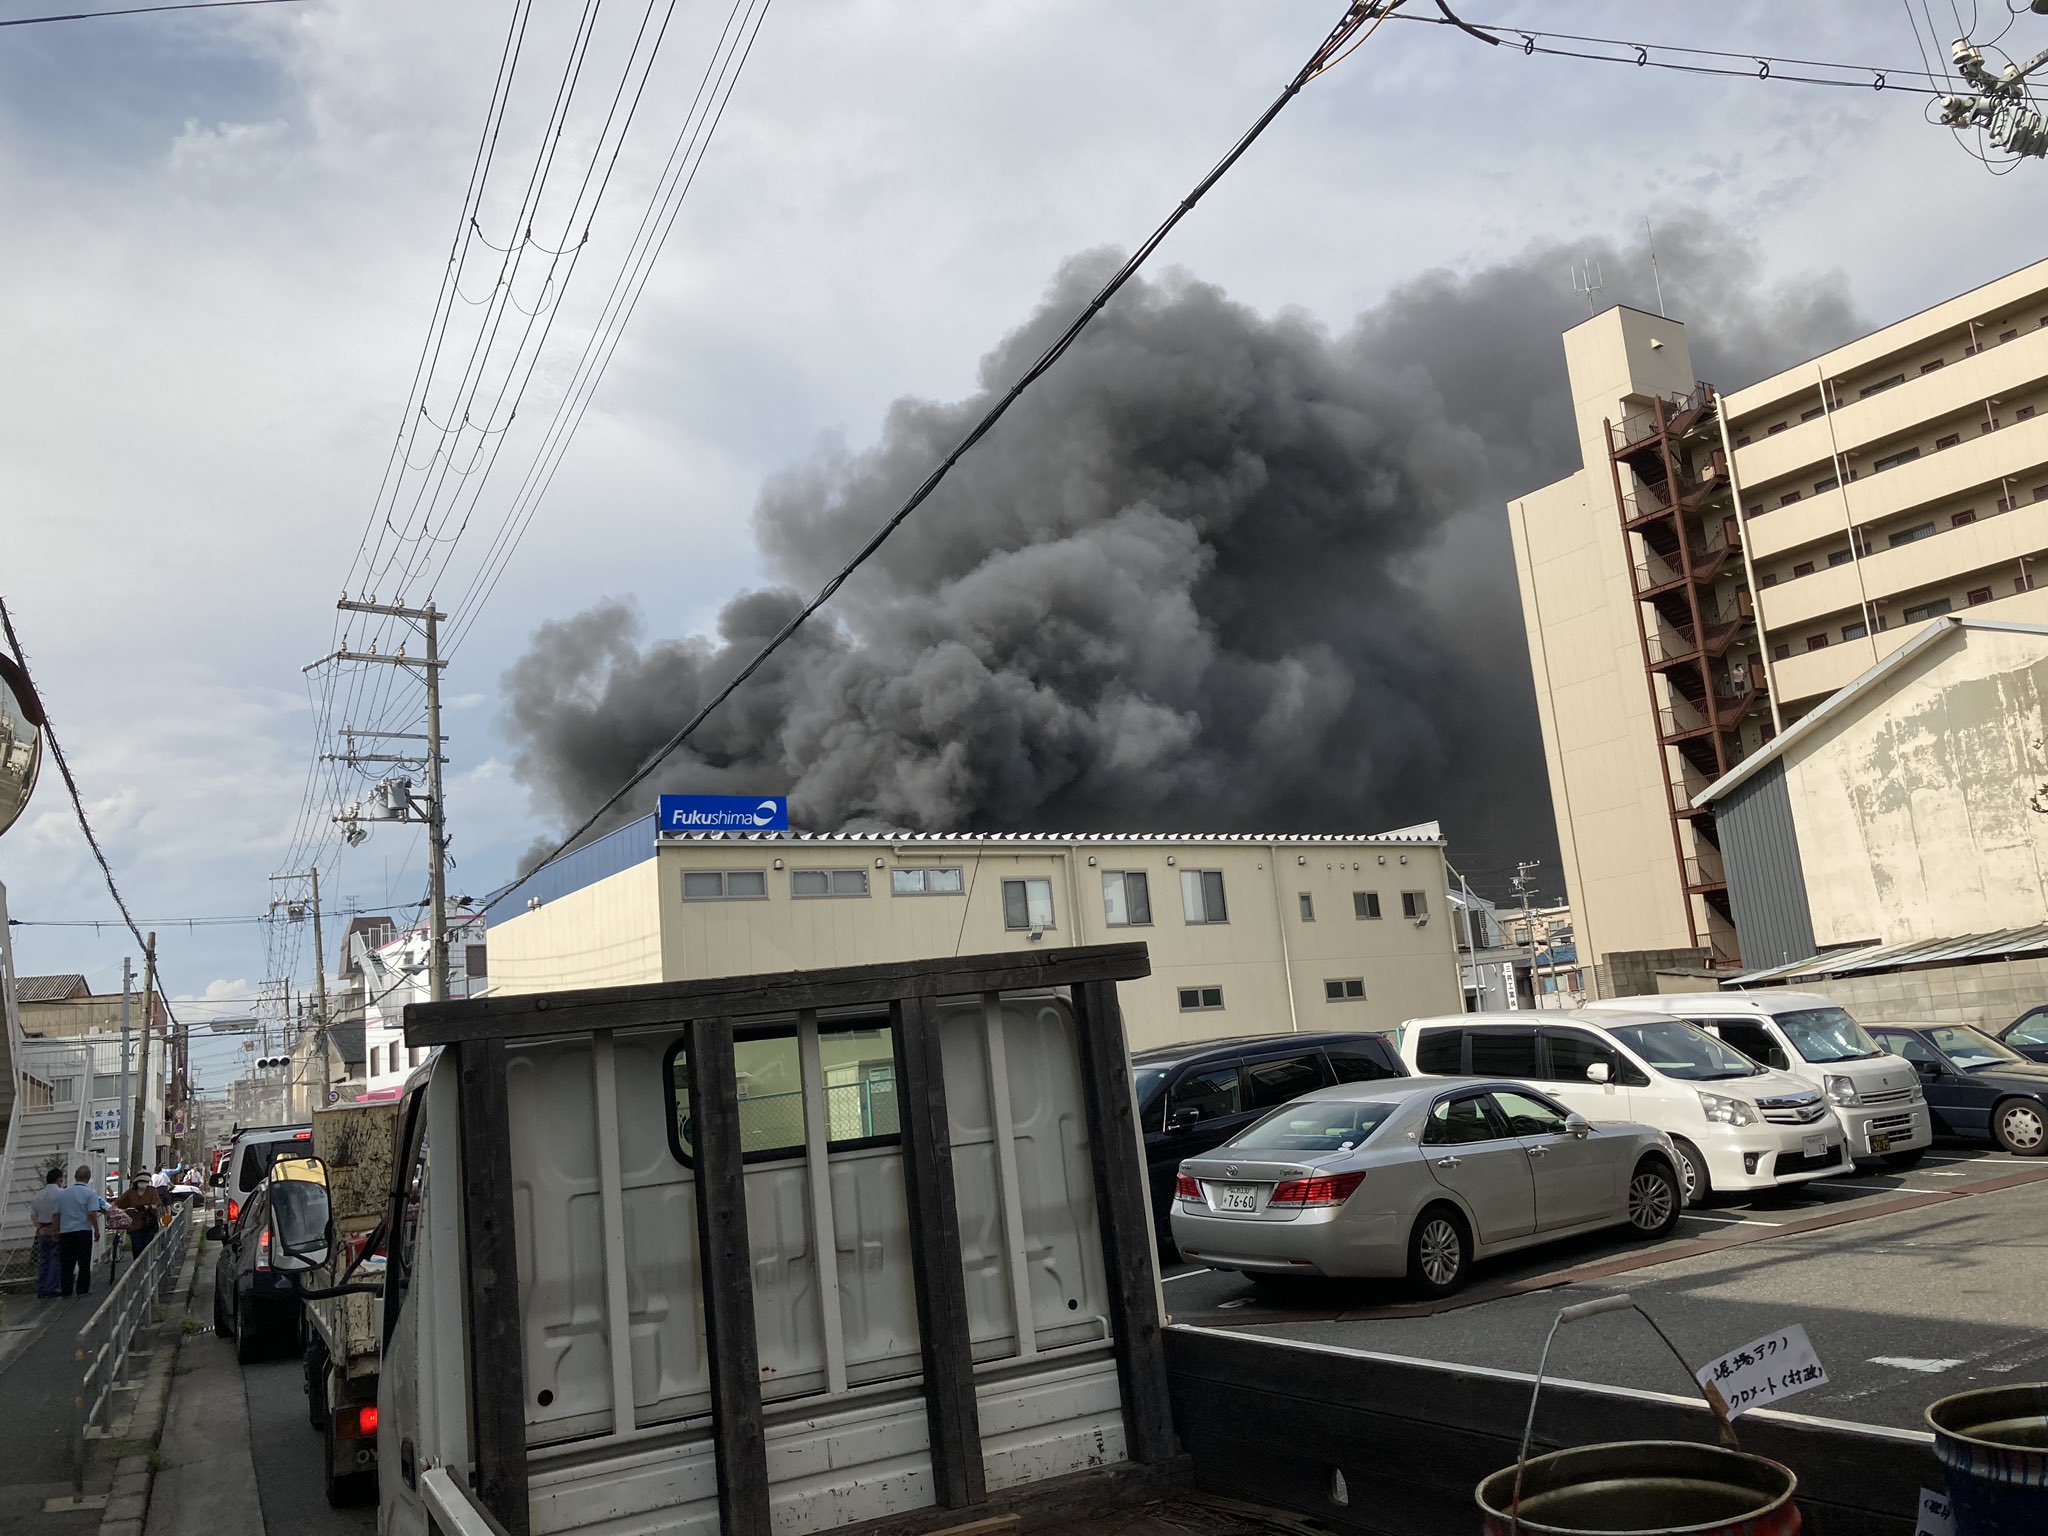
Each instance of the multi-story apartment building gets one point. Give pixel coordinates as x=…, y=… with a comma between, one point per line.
x=1722, y=563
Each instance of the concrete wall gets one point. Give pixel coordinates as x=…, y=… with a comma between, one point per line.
x=1990, y=995
x=1593, y=701
x=1912, y=807
x=1270, y=963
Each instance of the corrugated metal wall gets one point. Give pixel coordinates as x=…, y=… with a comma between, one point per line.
x=1766, y=883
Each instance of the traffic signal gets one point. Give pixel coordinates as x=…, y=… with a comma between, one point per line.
x=273, y=1061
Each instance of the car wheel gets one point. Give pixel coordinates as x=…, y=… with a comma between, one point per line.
x=1904, y=1160
x=222, y=1327
x=2021, y=1127
x=1439, y=1252
x=1654, y=1200
x=1693, y=1180
x=316, y=1380
x=248, y=1337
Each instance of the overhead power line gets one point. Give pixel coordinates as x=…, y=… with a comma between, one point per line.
x=1691, y=61
x=143, y=10
x=78, y=803
x=1332, y=50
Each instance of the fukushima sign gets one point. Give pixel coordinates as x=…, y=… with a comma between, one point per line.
x=723, y=813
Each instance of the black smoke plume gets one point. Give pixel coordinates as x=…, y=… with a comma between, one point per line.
x=1219, y=571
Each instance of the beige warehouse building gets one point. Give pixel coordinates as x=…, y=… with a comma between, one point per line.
x=1247, y=935
x=1722, y=563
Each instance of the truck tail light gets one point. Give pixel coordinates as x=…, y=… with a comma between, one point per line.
x=356, y=1423
x=263, y=1249
x=234, y=1210
x=1325, y=1189
x=1185, y=1187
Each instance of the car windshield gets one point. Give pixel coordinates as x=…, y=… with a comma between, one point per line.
x=1972, y=1049
x=1314, y=1125
x=1827, y=1034
x=1678, y=1049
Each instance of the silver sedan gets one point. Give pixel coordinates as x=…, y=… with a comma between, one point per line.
x=1417, y=1177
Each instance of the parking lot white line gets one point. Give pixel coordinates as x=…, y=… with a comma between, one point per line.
x=1186, y=1274
x=1964, y=1157
x=1736, y=1221
x=1909, y=1363
x=1887, y=1189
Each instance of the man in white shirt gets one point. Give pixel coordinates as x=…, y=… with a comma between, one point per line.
x=43, y=1211
x=78, y=1222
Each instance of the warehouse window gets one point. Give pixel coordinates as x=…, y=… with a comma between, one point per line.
x=1803, y=568
x=1126, y=898
x=1767, y=579
x=1200, y=999
x=1816, y=642
x=1415, y=904
x=1201, y=896
x=1840, y=557
x=725, y=885
x=1933, y=610
x=1825, y=485
x=1947, y=442
x=925, y=882
x=1964, y=518
x=1788, y=498
x=1308, y=907
x=1348, y=989
x=1027, y=904
x=859, y=1061
x=1978, y=595
x=1365, y=903
x=1781, y=652
x=828, y=882
x=1855, y=629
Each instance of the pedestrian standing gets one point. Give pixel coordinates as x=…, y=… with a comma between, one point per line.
x=78, y=1222
x=43, y=1210
x=145, y=1207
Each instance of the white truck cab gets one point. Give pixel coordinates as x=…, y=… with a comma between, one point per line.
x=1736, y=1126
x=1876, y=1094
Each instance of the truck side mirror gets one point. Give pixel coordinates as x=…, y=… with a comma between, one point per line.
x=1780, y=1060
x=302, y=1223
x=219, y=1181
x=1183, y=1119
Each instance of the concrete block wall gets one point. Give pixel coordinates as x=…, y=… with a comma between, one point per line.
x=1990, y=994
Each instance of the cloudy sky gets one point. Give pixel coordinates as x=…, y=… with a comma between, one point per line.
x=225, y=231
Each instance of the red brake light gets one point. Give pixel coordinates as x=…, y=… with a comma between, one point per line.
x=234, y=1210
x=366, y=1419
x=1185, y=1187
x=263, y=1249
x=1327, y=1189
x=355, y=1423
x=302, y=1136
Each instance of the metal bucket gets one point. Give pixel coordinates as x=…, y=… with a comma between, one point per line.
x=1993, y=1444
x=1643, y=1488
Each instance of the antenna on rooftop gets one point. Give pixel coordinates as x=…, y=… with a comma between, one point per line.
x=1586, y=280
x=1655, y=276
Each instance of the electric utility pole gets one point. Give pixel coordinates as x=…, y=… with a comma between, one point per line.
x=2000, y=103
x=394, y=800
x=1522, y=882
x=320, y=1019
x=138, y=1123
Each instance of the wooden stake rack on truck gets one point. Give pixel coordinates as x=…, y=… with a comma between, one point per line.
x=805, y=1251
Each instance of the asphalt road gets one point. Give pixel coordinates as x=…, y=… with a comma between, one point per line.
x=287, y=1455
x=1906, y=1295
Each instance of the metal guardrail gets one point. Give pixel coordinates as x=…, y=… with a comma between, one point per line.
x=108, y=1335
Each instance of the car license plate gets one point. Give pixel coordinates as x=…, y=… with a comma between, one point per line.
x=1237, y=1197
x=1816, y=1146
x=1879, y=1142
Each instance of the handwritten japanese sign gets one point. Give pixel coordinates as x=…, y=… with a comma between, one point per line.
x=1935, y=1518
x=1764, y=1370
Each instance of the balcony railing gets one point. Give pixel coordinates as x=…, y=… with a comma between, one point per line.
x=1704, y=873
x=1680, y=412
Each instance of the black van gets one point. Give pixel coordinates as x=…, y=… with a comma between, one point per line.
x=1199, y=1093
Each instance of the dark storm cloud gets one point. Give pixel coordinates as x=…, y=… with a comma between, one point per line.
x=1219, y=571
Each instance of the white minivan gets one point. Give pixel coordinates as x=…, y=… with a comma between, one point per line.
x=1877, y=1095
x=1737, y=1126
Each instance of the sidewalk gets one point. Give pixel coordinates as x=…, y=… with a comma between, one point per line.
x=39, y=1378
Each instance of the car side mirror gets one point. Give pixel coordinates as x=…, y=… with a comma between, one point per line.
x=311, y=1217
x=1779, y=1060
x=1183, y=1119
x=1599, y=1072
x=1927, y=1068
x=219, y=1181
x=1579, y=1125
